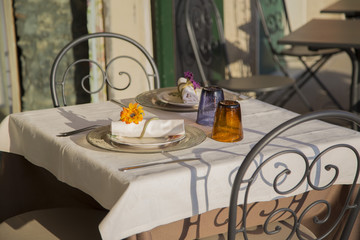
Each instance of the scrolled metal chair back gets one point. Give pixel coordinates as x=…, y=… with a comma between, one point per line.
x=275, y=21
x=246, y=176
x=205, y=29
x=58, y=87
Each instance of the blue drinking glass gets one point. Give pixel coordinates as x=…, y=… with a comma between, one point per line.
x=209, y=99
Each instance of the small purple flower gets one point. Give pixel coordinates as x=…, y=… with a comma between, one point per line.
x=195, y=84
x=190, y=77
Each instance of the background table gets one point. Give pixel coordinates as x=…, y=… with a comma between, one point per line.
x=351, y=8
x=330, y=33
x=144, y=199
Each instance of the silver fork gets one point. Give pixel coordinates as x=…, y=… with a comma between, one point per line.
x=65, y=134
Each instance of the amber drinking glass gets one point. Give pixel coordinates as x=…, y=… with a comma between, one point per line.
x=209, y=99
x=227, y=124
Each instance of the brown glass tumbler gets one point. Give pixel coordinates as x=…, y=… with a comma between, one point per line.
x=227, y=125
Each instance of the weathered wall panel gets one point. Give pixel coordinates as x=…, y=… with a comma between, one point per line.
x=43, y=28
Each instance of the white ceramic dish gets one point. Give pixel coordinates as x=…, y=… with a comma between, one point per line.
x=146, y=142
x=173, y=98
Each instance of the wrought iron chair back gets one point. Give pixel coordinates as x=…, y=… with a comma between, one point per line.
x=246, y=176
x=276, y=23
x=58, y=87
x=205, y=30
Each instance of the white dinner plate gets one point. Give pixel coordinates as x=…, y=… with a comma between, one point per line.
x=146, y=141
x=174, y=98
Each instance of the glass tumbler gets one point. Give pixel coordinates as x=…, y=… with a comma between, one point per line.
x=227, y=124
x=209, y=99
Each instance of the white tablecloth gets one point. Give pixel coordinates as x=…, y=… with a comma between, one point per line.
x=142, y=199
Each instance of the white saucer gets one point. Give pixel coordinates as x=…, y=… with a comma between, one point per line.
x=146, y=141
x=174, y=98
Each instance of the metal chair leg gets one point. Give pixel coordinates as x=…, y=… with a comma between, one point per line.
x=301, y=80
x=313, y=74
x=310, y=72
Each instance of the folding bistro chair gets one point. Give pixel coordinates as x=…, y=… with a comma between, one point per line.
x=275, y=22
x=206, y=34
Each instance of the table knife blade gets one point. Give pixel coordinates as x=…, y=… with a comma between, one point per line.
x=118, y=102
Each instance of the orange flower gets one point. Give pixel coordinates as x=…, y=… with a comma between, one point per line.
x=134, y=113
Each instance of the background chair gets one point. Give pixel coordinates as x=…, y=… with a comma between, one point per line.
x=116, y=71
x=206, y=34
x=275, y=23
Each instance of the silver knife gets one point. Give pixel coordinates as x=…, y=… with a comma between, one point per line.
x=157, y=163
x=118, y=102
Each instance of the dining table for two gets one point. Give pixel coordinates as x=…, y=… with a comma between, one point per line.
x=147, y=188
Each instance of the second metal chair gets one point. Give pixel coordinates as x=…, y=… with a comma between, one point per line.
x=206, y=34
x=275, y=22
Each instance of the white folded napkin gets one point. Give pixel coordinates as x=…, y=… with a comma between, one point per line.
x=154, y=128
x=187, y=91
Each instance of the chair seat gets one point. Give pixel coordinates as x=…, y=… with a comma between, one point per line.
x=257, y=233
x=49, y=224
x=259, y=83
x=304, y=51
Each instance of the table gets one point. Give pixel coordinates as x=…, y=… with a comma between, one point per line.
x=332, y=33
x=142, y=199
x=351, y=8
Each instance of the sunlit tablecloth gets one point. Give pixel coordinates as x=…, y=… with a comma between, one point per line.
x=142, y=199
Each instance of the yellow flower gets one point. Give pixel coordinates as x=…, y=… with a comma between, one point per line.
x=134, y=113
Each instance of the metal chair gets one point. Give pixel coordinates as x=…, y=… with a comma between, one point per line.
x=315, y=169
x=206, y=34
x=80, y=68
x=275, y=22
x=269, y=164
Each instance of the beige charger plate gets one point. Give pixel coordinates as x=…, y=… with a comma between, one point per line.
x=151, y=99
x=98, y=137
